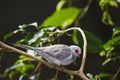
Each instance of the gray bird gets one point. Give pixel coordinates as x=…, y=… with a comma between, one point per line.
x=58, y=54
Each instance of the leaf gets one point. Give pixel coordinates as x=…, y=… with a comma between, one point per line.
x=62, y=18
x=103, y=75
x=74, y=37
x=103, y=53
x=34, y=24
x=12, y=75
x=113, y=3
x=40, y=35
x=90, y=76
x=116, y=31
x=8, y=35
x=60, y=4
x=103, y=3
x=71, y=77
x=94, y=43
x=20, y=65
x=21, y=28
x=106, y=19
x=37, y=41
x=24, y=67
x=112, y=42
x=26, y=39
x=22, y=59
x=106, y=61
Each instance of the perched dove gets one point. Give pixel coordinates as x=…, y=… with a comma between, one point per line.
x=58, y=54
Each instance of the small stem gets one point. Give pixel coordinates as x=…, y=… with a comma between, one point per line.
x=37, y=67
x=83, y=13
x=116, y=74
x=56, y=75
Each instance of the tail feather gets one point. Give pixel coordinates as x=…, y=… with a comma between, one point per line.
x=38, y=50
x=31, y=48
x=25, y=46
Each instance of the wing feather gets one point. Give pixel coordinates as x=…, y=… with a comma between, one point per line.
x=57, y=51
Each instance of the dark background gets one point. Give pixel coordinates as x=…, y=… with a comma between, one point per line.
x=18, y=12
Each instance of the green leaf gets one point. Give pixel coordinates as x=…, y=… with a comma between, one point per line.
x=37, y=41
x=60, y=4
x=26, y=39
x=74, y=37
x=8, y=35
x=12, y=75
x=21, y=28
x=94, y=43
x=22, y=59
x=103, y=75
x=116, y=31
x=23, y=68
x=106, y=19
x=103, y=53
x=62, y=18
x=106, y=61
x=41, y=35
x=113, y=3
x=103, y=3
x=112, y=42
x=71, y=77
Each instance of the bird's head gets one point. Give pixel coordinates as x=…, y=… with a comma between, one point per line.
x=76, y=50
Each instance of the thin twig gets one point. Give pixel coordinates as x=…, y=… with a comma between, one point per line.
x=83, y=13
x=37, y=67
x=116, y=74
x=85, y=9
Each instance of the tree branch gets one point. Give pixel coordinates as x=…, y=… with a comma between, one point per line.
x=78, y=73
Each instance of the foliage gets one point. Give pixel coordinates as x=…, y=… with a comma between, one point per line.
x=110, y=46
x=66, y=17
x=63, y=18
x=104, y=4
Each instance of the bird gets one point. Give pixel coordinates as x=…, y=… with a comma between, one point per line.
x=58, y=54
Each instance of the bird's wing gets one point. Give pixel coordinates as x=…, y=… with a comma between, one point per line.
x=56, y=51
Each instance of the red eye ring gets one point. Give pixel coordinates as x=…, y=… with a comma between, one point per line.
x=76, y=51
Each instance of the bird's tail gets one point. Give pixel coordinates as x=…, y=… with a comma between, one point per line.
x=38, y=50
x=25, y=46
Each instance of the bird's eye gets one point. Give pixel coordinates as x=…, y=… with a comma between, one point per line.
x=76, y=51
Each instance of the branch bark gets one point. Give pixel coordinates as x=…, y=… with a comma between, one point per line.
x=78, y=73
